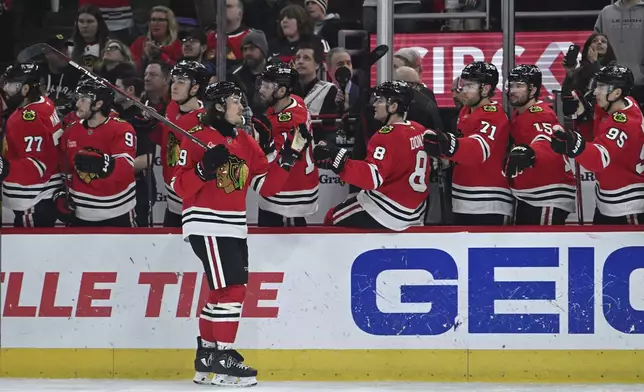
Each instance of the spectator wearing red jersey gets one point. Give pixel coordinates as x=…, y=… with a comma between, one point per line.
x=160, y=41
x=117, y=15
x=89, y=37
x=295, y=27
x=235, y=30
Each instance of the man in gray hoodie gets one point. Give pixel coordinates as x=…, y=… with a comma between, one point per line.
x=623, y=24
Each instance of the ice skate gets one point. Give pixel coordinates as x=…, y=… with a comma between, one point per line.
x=203, y=364
x=230, y=371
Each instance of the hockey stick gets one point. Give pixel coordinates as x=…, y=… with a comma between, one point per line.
x=580, y=204
x=34, y=51
x=376, y=54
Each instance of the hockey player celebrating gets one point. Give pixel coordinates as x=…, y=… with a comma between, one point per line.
x=616, y=154
x=213, y=185
x=393, y=177
x=541, y=179
x=99, y=156
x=189, y=80
x=29, y=162
x=299, y=197
x=480, y=193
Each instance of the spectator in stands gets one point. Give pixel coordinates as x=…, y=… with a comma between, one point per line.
x=596, y=53
x=326, y=25
x=408, y=57
x=130, y=83
x=117, y=15
x=89, y=37
x=193, y=48
x=295, y=28
x=254, y=49
x=60, y=78
x=369, y=15
x=156, y=85
x=453, y=6
x=349, y=98
x=621, y=22
x=319, y=96
x=159, y=41
x=264, y=15
x=117, y=59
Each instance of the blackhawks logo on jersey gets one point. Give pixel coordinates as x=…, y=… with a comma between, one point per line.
x=490, y=108
x=172, y=152
x=535, y=109
x=619, y=117
x=196, y=128
x=88, y=177
x=232, y=175
x=29, y=115
x=386, y=129
x=285, y=117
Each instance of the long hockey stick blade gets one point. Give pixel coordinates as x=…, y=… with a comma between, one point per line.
x=376, y=54
x=46, y=50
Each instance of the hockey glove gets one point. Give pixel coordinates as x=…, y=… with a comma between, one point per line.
x=263, y=133
x=439, y=143
x=305, y=134
x=568, y=143
x=288, y=156
x=329, y=157
x=519, y=158
x=4, y=168
x=211, y=161
x=94, y=162
x=65, y=208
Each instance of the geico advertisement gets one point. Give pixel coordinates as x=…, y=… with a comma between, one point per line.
x=444, y=55
x=350, y=291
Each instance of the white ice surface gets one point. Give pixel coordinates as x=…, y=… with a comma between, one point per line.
x=35, y=385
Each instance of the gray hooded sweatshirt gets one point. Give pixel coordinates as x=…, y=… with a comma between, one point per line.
x=624, y=27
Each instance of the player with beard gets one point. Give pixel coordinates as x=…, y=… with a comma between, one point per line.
x=99, y=157
x=213, y=184
x=616, y=154
x=29, y=162
x=541, y=179
x=299, y=197
x=188, y=83
x=395, y=174
x=480, y=193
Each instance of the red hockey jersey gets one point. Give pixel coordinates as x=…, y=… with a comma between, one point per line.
x=218, y=207
x=616, y=156
x=550, y=182
x=98, y=199
x=394, y=176
x=478, y=187
x=299, y=196
x=233, y=43
x=170, y=147
x=31, y=142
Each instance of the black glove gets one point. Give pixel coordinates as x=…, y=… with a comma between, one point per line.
x=519, y=158
x=288, y=157
x=94, y=162
x=143, y=125
x=263, y=129
x=65, y=208
x=439, y=143
x=211, y=161
x=330, y=157
x=4, y=168
x=568, y=143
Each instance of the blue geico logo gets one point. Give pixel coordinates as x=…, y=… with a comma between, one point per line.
x=424, y=285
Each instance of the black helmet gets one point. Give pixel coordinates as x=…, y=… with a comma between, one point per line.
x=27, y=73
x=481, y=72
x=218, y=92
x=193, y=70
x=529, y=74
x=398, y=91
x=617, y=76
x=97, y=91
x=281, y=74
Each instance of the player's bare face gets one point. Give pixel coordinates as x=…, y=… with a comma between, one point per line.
x=470, y=92
x=234, y=110
x=518, y=93
x=601, y=95
x=380, y=109
x=266, y=92
x=83, y=107
x=180, y=89
x=12, y=89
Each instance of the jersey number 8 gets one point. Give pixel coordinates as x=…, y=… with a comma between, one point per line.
x=417, y=178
